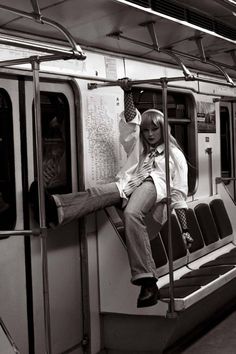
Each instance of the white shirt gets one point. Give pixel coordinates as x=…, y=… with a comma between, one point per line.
x=130, y=139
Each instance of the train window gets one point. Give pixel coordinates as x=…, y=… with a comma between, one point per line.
x=7, y=170
x=225, y=142
x=56, y=142
x=180, y=117
x=176, y=103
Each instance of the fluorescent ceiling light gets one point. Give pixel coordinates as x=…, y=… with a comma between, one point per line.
x=228, y=4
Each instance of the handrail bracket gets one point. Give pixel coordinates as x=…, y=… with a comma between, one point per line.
x=199, y=42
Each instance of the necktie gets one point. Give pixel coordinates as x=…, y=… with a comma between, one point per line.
x=142, y=173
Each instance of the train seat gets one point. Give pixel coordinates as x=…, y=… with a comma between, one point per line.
x=212, y=257
x=186, y=286
x=221, y=218
x=208, y=265
x=216, y=226
x=115, y=216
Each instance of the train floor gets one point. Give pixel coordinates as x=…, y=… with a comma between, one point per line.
x=217, y=337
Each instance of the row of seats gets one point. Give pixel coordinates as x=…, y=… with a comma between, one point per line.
x=207, y=265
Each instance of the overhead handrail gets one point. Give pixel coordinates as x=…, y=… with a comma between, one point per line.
x=225, y=74
x=30, y=59
x=186, y=72
x=36, y=7
x=151, y=29
x=204, y=60
x=33, y=45
x=173, y=53
x=192, y=57
x=36, y=16
x=64, y=31
x=152, y=32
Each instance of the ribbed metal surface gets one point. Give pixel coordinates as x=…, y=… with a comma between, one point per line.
x=225, y=31
x=169, y=8
x=144, y=3
x=200, y=20
x=174, y=10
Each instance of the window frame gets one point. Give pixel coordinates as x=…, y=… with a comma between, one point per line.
x=182, y=104
x=7, y=181
x=65, y=187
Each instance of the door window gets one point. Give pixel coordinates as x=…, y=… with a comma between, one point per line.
x=181, y=120
x=56, y=142
x=7, y=165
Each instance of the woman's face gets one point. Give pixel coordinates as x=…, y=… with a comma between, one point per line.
x=152, y=134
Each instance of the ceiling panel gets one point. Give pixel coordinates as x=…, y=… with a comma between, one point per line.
x=91, y=21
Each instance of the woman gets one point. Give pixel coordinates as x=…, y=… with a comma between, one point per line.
x=140, y=186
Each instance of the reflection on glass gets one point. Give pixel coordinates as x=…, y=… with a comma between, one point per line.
x=54, y=150
x=56, y=142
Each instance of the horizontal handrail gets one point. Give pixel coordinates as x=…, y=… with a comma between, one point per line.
x=174, y=54
x=43, y=20
x=17, y=41
x=39, y=59
x=93, y=85
x=34, y=232
x=224, y=179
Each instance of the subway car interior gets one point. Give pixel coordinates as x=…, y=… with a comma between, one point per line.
x=67, y=289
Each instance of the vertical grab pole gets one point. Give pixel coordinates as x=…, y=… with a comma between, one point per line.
x=42, y=216
x=209, y=152
x=171, y=313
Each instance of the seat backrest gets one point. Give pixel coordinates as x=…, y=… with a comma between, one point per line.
x=207, y=224
x=195, y=231
x=116, y=217
x=158, y=251
x=178, y=246
x=221, y=218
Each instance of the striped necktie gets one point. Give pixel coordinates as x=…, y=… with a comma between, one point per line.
x=141, y=174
